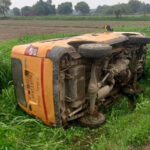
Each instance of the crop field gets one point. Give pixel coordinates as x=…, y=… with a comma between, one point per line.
x=10, y=29
x=137, y=17
x=123, y=130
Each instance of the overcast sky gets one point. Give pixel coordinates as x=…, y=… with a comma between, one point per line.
x=92, y=3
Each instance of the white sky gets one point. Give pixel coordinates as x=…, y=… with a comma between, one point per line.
x=92, y=3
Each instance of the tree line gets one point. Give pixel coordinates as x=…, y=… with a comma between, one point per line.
x=43, y=8
x=132, y=7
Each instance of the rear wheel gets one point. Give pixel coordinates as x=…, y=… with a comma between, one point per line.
x=95, y=50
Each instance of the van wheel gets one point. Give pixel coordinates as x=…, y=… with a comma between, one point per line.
x=95, y=50
x=139, y=39
x=92, y=121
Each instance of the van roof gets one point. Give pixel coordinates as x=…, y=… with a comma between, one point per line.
x=44, y=46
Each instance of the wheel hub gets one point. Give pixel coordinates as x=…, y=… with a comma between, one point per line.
x=92, y=121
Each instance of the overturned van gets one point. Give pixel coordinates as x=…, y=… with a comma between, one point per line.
x=72, y=78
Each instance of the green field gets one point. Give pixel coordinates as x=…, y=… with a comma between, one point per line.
x=80, y=18
x=124, y=129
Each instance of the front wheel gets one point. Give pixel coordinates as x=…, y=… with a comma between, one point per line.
x=139, y=39
x=93, y=50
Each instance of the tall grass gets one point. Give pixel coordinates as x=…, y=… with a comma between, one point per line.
x=124, y=128
x=127, y=129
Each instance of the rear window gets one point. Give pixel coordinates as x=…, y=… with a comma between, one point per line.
x=18, y=81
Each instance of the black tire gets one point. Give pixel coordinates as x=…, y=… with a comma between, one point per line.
x=95, y=50
x=93, y=122
x=139, y=39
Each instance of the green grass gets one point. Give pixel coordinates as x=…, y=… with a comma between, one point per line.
x=80, y=18
x=124, y=128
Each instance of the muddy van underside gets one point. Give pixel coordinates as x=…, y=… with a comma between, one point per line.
x=90, y=75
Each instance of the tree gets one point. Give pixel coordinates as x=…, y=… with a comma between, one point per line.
x=117, y=9
x=27, y=11
x=144, y=8
x=51, y=8
x=40, y=8
x=120, y=9
x=125, y=8
x=135, y=5
x=109, y=11
x=101, y=9
x=4, y=6
x=118, y=13
x=16, y=11
x=49, y=2
x=82, y=7
x=44, y=8
x=65, y=8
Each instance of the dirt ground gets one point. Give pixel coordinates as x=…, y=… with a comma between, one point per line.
x=10, y=29
x=146, y=147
